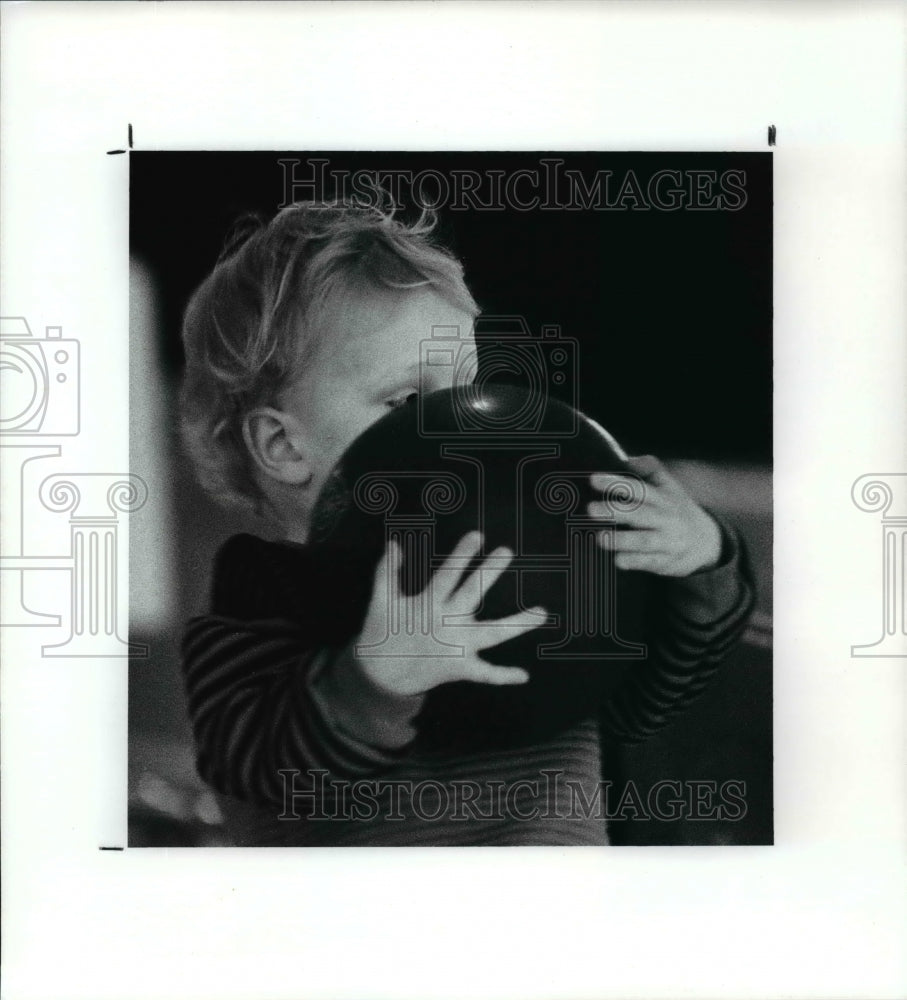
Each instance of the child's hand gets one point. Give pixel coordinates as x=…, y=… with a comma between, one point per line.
x=670, y=535
x=407, y=662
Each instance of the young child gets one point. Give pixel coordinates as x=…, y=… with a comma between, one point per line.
x=303, y=336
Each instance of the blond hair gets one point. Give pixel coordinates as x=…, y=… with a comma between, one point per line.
x=249, y=328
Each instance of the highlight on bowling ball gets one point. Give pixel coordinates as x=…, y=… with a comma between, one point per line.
x=526, y=491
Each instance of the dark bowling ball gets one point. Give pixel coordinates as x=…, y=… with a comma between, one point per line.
x=492, y=459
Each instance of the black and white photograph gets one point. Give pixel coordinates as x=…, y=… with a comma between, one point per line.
x=468, y=532
x=454, y=426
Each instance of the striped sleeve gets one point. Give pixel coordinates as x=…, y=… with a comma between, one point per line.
x=260, y=703
x=699, y=619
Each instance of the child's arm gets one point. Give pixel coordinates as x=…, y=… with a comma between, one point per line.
x=255, y=709
x=704, y=596
x=261, y=702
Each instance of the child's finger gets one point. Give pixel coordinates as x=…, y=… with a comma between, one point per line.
x=462, y=555
x=487, y=673
x=646, y=516
x=483, y=578
x=632, y=541
x=606, y=480
x=623, y=490
x=648, y=467
x=388, y=568
x=513, y=625
x=643, y=562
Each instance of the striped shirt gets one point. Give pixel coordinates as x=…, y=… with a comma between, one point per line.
x=305, y=750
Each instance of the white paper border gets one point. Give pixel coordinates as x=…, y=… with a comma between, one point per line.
x=820, y=914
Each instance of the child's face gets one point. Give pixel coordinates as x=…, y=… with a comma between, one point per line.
x=367, y=364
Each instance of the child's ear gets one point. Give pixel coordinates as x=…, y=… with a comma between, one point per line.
x=277, y=445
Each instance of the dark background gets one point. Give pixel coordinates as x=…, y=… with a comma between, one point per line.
x=672, y=309
x=673, y=314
